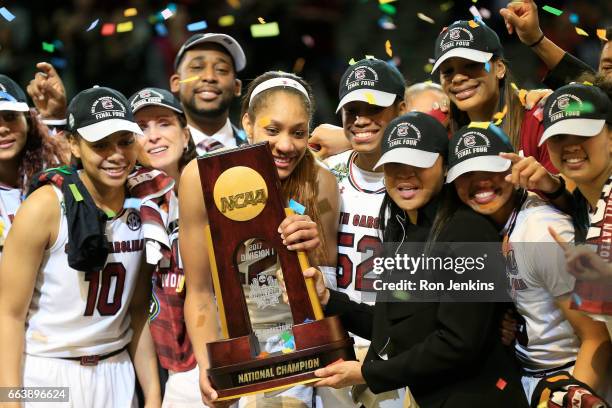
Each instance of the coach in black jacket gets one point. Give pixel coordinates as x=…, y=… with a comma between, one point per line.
x=447, y=354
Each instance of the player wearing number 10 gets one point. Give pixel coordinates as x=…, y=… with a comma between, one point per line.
x=67, y=325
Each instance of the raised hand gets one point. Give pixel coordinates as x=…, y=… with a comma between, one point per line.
x=521, y=16
x=529, y=174
x=327, y=140
x=47, y=92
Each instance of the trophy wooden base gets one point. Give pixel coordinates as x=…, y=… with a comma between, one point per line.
x=236, y=371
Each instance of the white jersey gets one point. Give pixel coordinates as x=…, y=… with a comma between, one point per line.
x=361, y=193
x=10, y=200
x=74, y=313
x=537, y=272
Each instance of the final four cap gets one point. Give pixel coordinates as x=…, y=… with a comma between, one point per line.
x=371, y=80
x=476, y=147
x=12, y=97
x=98, y=112
x=576, y=109
x=229, y=43
x=416, y=139
x=155, y=97
x=467, y=39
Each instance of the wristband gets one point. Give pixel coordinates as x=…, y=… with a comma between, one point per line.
x=54, y=122
x=558, y=192
x=538, y=41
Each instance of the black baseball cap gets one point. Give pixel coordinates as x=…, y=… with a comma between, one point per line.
x=416, y=139
x=12, y=97
x=156, y=97
x=476, y=147
x=579, y=109
x=467, y=39
x=371, y=80
x=98, y=112
x=229, y=43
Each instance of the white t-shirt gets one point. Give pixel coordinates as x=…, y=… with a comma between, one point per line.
x=536, y=269
x=10, y=200
x=361, y=193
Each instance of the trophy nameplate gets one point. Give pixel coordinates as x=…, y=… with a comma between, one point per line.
x=243, y=199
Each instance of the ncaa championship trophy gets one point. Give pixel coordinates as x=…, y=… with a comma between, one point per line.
x=242, y=194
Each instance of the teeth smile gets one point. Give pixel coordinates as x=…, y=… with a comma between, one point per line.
x=484, y=194
x=158, y=150
x=574, y=160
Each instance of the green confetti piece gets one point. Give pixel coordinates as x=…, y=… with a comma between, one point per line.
x=62, y=169
x=584, y=107
x=401, y=295
x=75, y=192
x=352, y=61
x=110, y=213
x=48, y=47
x=552, y=10
x=388, y=8
x=285, y=336
x=265, y=30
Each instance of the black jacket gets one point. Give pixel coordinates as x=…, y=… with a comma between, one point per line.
x=566, y=71
x=448, y=354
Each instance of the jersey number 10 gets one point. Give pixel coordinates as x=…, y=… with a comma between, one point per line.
x=104, y=306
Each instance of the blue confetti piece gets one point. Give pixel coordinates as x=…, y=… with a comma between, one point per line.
x=59, y=63
x=296, y=207
x=577, y=299
x=308, y=320
x=161, y=30
x=93, y=25
x=488, y=66
x=574, y=19
x=8, y=16
x=132, y=202
x=58, y=44
x=242, y=134
x=197, y=26
x=171, y=7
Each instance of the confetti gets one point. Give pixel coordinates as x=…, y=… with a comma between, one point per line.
x=485, y=13
x=501, y=384
x=446, y=6
x=388, y=49
x=125, y=27
x=59, y=63
x=370, y=98
x=297, y=207
x=386, y=1
x=287, y=350
x=107, y=29
x=395, y=61
x=161, y=29
x=263, y=354
x=190, y=79
x=308, y=41
x=428, y=68
x=388, y=8
x=242, y=134
x=131, y=12
x=514, y=86
x=552, y=10
x=261, y=20
x=352, y=61
x=181, y=284
x=265, y=30
x=58, y=44
x=580, y=31
x=307, y=320
x=472, y=24
x=474, y=1
x=370, y=57
x=235, y=4
x=299, y=65
x=265, y=121
x=386, y=23
x=166, y=13
x=398, y=294
x=601, y=33
x=48, y=47
x=197, y=26
x=431, y=61
x=576, y=107
x=226, y=21
x=479, y=125
x=474, y=11
x=487, y=66
x=93, y=25
x=8, y=16
x=573, y=18
x=425, y=18
x=576, y=298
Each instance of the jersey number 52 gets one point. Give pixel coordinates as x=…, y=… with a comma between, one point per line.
x=364, y=271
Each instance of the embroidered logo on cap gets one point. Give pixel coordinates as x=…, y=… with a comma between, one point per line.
x=362, y=76
x=146, y=96
x=107, y=107
x=472, y=142
x=456, y=37
x=559, y=109
x=404, y=134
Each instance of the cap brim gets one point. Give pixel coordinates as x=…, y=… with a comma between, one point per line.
x=100, y=130
x=577, y=127
x=467, y=53
x=409, y=156
x=494, y=164
x=14, y=106
x=235, y=50
x=144, y=105
x=371, y=96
